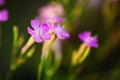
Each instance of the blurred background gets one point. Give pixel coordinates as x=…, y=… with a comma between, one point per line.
x=101, y=17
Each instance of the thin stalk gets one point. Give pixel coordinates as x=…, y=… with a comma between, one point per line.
x=13, y=53
x=27, y=46
x=46, y=46
x=81, y=50
x=55, y=66
x=57, y=58
x=85, y=54
x=78, y=54
x=39, y=70
x=45, y=50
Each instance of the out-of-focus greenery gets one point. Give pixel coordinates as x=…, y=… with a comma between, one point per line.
x=101, y=17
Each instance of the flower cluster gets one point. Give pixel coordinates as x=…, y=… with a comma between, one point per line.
x=42, y=32
x=48, y=24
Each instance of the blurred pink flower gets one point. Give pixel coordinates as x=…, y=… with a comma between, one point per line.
x=51, y=13
x=4, y=15
x=88, y=39
x=2, y=2
x=51, y=20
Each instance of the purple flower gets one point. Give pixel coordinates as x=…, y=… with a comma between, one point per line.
x=88, y=39
x=59, y=31
x=39, y=32
x=3, y=15
x=2, y=2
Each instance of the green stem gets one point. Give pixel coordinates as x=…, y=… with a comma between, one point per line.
x=46, y=47
x=55, y=66
x=14, y=45
x=45, y=50
x=78, y=54
x=15, y=35
x=40, y=70
x=27, y=46
x=13, y=55
x=85, y=54
x=13, y=52
x=57, y=58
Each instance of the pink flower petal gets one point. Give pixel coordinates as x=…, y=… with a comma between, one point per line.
x=30, y=31
x=45, y=27
x=35, y=23
x=37, y=39
x=63, y=35
x=59, y=31
x=93, y=42
x=46, y=36
x=84, y=35
x=2, y=2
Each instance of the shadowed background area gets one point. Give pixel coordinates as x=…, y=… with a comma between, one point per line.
x=101, y=17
